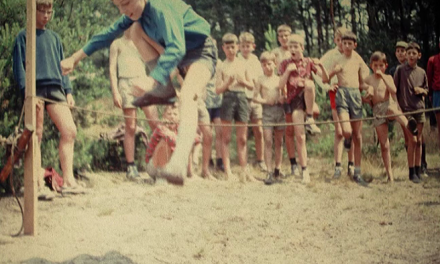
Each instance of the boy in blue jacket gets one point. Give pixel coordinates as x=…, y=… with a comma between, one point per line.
x=52, y=85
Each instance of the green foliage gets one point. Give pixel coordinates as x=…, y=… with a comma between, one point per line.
x=270, y=37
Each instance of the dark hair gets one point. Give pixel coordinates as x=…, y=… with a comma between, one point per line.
x=349, y=35
x=413, y=45
x=378, y=56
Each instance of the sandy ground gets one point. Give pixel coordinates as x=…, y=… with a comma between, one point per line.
x=229, y=222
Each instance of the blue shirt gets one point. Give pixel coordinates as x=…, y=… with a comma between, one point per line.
x=171, y=23
x=49, y=53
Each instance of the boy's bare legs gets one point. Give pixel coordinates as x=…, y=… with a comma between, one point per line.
x=259, y=141
x=226, y=139
x=241, y=132
x=196, y=79
x=152, y=116
x=206, y=150
x=309, y=98
x=63, y=120
x=382, y=133
x=43, y=193
x=130, y=130
x=268, y=142
x=337, y=146
x=290, y=144
x=279, y=134
x=357, y=142
x=418, y=147
x=300, y=136
x=218, y=139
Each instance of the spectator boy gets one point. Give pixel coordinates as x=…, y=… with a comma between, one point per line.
x=296, y=76
x=433, y=72
x=126, y=66
x=384, y=102
x=246, y=47
x=412, y=87
x=348, y=69
x=269, y=95
x=232, y=82
x=50, y=84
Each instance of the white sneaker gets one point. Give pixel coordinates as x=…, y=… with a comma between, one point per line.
x=311, y=127
x=306, y=176
x=350, y=171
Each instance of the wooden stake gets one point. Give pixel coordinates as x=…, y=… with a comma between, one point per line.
x=32, y=163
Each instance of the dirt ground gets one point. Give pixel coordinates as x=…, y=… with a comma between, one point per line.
x=229, y=222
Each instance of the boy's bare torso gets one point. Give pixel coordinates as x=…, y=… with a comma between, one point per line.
x=237, y=70
x=351, y=71
x=269, y=88
x=381, y=93
x=281, y=54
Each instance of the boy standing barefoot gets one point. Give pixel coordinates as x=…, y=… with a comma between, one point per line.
x=232, y=82
x=269, y=95
x=384, y=102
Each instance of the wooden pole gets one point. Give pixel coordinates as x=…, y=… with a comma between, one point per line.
x=31, y=161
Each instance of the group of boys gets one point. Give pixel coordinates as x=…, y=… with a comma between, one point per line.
x=279, y=88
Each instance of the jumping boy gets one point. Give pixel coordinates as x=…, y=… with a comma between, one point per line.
x=269, y=95
x=232, y=81
x=175, y=34
x=126, y=66
x=348, y=69
x=50, y=84
x=384, y=102
x=296, y=76
x=412, y=87
x=246, y=47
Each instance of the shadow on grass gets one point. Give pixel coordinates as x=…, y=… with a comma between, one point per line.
x=111, y=257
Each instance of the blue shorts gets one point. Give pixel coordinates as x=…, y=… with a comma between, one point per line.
x=436, y=101
x=349, y=100
x=214, y=113
x=51, y=92
x=206, y=55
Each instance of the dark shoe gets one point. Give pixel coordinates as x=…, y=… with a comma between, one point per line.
x=211, y=164
x=132, y=173
x=220, y=165
x=412, y=126
x=159, y=95
x=270, y=179
x=359, y=180
x=414, y=178
x=338, y=172
x=347, y=143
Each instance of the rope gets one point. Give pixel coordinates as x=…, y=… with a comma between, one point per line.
x=248, y=125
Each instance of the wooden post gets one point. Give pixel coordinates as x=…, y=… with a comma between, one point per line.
x=32, y=162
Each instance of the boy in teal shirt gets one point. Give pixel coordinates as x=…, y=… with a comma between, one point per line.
x=176, y=36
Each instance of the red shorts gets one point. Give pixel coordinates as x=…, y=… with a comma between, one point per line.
x=332, y=96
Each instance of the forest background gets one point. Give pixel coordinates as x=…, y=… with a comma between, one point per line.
x=378, y=25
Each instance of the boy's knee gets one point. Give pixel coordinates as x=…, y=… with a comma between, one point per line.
x=300, y=137
x=130, y=129
x=309, y=85
x=241, y=140
x=70, y=133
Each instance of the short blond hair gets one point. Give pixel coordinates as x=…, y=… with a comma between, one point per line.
x=340, y=31
x=44, y=3
x=246, y=37
x=284, y=28
x=229, y=38
x=295, y=38
x=267, y=56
